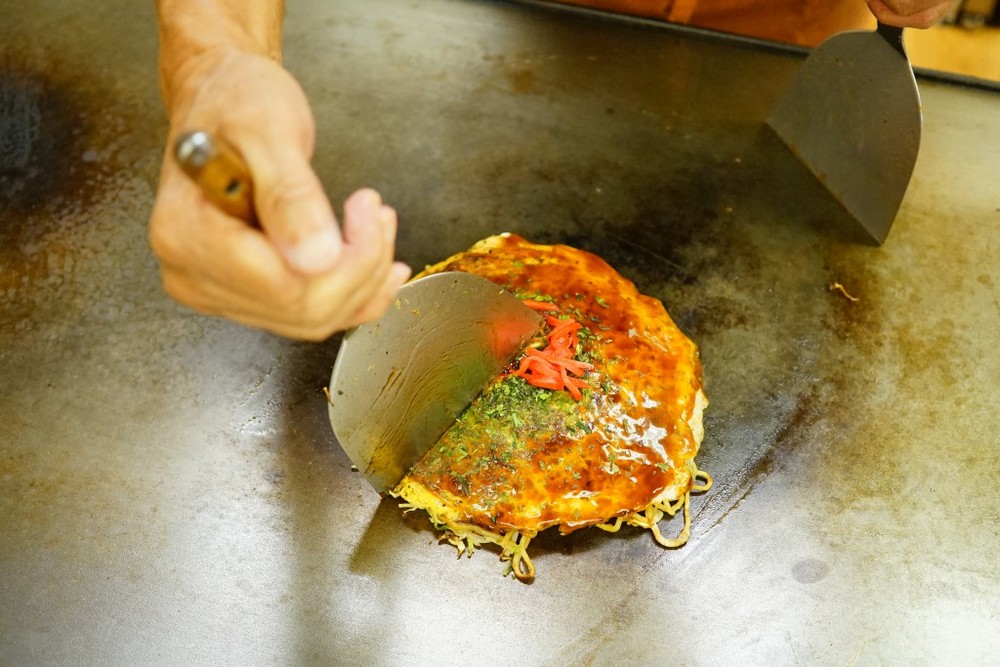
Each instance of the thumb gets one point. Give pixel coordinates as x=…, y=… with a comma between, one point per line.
x=292, y=208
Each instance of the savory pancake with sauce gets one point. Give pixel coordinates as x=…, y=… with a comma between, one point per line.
x=597, y=425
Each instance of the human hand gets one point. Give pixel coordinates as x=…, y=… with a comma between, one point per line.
x=298, y=275
x=910, y=13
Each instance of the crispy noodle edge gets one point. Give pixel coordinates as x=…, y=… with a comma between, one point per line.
x=466, y=537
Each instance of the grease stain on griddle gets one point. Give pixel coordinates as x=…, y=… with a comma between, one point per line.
x=676, y=239
x=516, y=72
x=61, y=153
x=46, y=144
x=810, y=571
x=87, y=499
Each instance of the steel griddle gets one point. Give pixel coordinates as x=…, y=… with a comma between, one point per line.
x=169, y=489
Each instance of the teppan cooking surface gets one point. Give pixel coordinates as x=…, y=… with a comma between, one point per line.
x=170, y=490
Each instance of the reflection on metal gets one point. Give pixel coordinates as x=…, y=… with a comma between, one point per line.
x=400, y=382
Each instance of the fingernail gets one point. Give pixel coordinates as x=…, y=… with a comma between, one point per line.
x=388, y=218
x=401, y=272
x=369, y=197
x=317, y=252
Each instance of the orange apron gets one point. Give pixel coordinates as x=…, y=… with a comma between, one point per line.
x=804, y=22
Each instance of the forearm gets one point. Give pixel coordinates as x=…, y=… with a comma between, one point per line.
x=190, y=29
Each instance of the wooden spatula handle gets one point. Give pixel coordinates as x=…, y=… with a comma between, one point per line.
x=220, y=173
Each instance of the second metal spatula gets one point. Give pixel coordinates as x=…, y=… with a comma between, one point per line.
x=852, y=115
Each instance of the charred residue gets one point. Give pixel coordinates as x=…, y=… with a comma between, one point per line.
x=46, y=153
x=65, y=137
x=678, y=237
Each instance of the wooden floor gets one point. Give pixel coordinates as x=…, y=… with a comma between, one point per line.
x=970, y=51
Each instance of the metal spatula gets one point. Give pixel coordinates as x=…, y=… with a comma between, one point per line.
x=400, y=382
x=852, y=115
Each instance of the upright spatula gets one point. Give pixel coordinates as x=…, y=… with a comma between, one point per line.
x=852, y=115
x=401, y=381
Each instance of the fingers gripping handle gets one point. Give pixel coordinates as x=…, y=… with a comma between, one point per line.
x=219, y=172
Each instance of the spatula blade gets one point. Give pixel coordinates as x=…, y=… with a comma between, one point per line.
x=400, y=382
x=852, y=115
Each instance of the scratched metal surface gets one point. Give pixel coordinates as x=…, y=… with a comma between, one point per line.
x=170, y=491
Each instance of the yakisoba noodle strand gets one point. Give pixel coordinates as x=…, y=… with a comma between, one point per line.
x=599, y=427
x=651, y=516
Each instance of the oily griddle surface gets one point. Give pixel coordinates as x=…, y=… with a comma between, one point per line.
x=169, y=486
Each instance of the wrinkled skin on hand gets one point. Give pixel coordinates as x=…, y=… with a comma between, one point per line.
x=910, y=13
x=300, y=275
